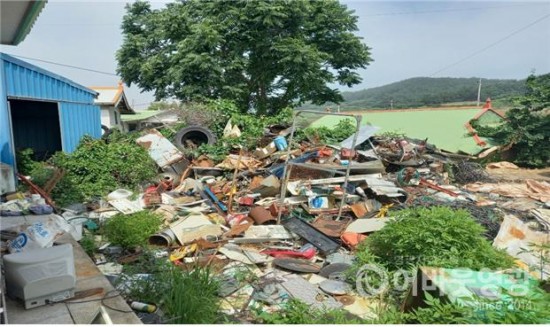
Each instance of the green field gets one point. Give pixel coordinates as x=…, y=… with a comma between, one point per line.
x=443, y=127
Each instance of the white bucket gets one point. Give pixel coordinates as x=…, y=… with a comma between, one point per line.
x=76, y=224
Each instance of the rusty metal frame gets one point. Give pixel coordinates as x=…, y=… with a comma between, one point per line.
x=288, y=165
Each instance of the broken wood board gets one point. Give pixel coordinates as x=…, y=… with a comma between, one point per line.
x=368, y=225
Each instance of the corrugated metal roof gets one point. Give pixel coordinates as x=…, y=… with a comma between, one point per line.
x=17, y=19
x=16, y=83
x=140, y=115
x=77, y=113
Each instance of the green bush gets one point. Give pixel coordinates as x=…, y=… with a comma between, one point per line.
x=98, y=167
x=297, y=312
x=338, y=133
x=435, y=236
x=25, y=161
x=518, y=310
x=132, y=230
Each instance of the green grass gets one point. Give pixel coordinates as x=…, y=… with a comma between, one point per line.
x=444, y=128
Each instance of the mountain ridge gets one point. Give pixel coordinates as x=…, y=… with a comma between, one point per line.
x=429, y=92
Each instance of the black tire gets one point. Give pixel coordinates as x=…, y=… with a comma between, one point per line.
x=196, y=135
x=105, y=132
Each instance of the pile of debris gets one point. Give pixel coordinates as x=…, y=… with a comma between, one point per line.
x=293, y=214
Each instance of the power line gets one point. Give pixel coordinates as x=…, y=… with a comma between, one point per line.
x=64, y=65
x=446, y=10
x=491, y=45
x=368, y=15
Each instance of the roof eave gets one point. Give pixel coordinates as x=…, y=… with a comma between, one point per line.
x=30, y=17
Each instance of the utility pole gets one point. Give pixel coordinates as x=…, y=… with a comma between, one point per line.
x=479, y=92
x=391, y=103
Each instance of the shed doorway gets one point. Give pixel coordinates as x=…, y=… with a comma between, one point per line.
x=35, y=125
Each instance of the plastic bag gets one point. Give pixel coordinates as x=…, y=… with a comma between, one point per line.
x=43, y=233
x=22, y=243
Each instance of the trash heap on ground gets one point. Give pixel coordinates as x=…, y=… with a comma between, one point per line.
x=291, y=214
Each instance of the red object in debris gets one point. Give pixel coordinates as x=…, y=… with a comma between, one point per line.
x=235, y=219
x=261, y=216
x=151, y=189
x=347, y=154
x=274, y=208
x=246, y=201
x=436, y=187
x=307, y=254
x=324, y=153
x=352, y=239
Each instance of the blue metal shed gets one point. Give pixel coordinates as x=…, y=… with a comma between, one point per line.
x=42, y=111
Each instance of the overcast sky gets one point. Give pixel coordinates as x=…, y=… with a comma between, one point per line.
x=490, y=39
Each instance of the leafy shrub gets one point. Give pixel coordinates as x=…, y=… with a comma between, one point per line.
x=297, y=312
x=518, y=310
x=98, y=167
x=25, y=161
x=338, y=133
x=435, y=236
x=132, y=230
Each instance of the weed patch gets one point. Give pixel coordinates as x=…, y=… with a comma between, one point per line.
x=132, y=230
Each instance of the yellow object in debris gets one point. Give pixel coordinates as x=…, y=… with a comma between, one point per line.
x=216, y=218
x=384, y=210
x=180, y=253
x=523, y=266
x=15, y=196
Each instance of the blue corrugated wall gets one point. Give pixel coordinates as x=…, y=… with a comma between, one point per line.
x=21, y=80
x=73, y=124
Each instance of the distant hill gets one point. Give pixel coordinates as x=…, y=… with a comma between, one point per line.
x=430, y=92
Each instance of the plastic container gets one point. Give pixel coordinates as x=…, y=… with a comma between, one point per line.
x=35, y=198
x=280, y=143
x=76, y=224
x=119, y=194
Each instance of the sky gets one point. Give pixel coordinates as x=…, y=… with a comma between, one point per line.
x=490, y=39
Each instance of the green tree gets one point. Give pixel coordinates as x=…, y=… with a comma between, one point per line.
x=163, y=105
x=527, y=129
x=263, y=55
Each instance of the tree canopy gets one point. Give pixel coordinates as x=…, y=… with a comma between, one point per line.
x=527, y=129
x=263, y=55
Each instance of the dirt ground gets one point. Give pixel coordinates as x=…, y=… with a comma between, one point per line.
x=506, y=174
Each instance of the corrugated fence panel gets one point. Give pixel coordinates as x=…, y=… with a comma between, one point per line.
x=78, y=120
x=6, y=151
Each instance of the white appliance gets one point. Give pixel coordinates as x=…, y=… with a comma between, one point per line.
x=41, y=276
x=7, y=179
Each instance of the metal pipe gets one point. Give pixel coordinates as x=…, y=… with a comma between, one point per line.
x=358, y=121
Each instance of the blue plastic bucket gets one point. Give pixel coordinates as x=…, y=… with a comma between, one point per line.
x=280, y=143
